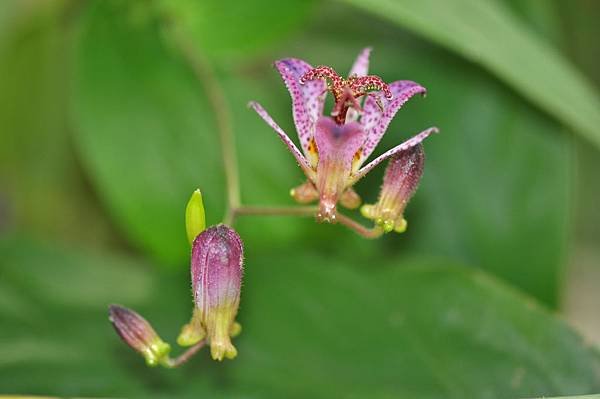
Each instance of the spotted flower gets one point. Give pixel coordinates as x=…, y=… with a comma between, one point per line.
x=334, y=148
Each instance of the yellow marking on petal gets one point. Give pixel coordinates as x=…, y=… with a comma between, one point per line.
x=312, y=152
x=356, y=160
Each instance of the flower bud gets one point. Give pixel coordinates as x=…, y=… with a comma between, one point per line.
x=399, y=184
x=136, y=332
x=217, y=257
x=195, y=221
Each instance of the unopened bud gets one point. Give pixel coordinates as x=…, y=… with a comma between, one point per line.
x=195, y=221
x=217, y=267
x=400, y=182
x=136, y=332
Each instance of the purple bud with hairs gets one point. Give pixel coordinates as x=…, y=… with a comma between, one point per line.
x=136, y=332
x=217, y=268
x=400, y=182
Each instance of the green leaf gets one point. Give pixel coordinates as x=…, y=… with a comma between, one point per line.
x=43, y=189
x=145, y=131
x=311, y=328
x=221, y=33
x=408, y=329
x=486, y=33
x=576, y=397
x=53, y=327
x=147, y=136
x=496, y=192
x=75, y=279
x=494, y=149
x=496, y=188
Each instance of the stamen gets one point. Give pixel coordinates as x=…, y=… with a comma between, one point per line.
x=360, y=86
x=324, y=72
x=347, y=91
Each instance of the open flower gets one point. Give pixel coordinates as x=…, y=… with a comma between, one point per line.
x=400, y=182
x=216, y=268
x=335, y=148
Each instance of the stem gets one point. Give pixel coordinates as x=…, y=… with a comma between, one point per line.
x=366, y=232
x=276, y=211
x=185, y=356
x=352, y=224
x=216, y=98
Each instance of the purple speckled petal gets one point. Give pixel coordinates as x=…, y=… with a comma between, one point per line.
x=361, y=65
x=359, y=68
x=375, y=120
x=413, y=141
x=337, y=145
x=307, y=99
x=304, y=164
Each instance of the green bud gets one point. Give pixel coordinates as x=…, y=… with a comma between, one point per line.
x=195, y=221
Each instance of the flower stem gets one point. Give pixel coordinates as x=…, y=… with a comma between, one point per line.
x=276, y=211
x=352, y=224
x=216, y=98
x=185, y=356
x=366, y=232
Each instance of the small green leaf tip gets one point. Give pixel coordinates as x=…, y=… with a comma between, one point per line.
x=195, y=221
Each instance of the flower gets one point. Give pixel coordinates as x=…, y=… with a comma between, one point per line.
x=136, y=332
x=399, y=184
x=335, y=148
x=216, y=268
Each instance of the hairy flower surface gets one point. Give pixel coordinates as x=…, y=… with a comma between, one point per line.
x=334, y=148
x=216, y=268
x=136, y=332
x=400, y=182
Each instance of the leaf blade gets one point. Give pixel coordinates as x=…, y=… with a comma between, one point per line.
x=486, y=33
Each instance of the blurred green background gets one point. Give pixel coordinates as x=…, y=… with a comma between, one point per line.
x=105, y=132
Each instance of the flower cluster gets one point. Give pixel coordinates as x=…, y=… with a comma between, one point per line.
x=334, y=151
x=216, y=272
x=334, y=148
